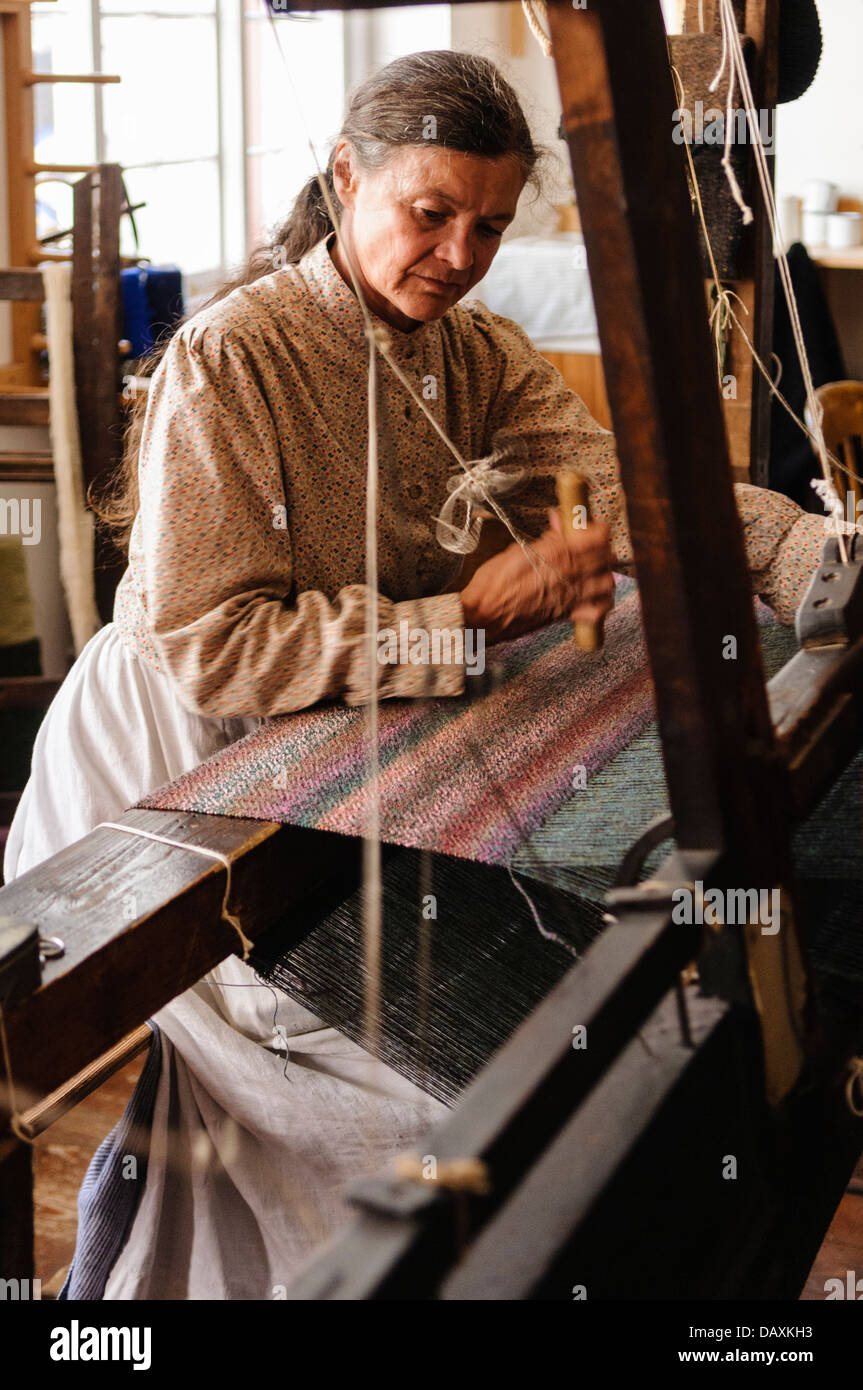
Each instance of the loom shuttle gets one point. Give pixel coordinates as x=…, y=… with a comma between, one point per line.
x=572, y=492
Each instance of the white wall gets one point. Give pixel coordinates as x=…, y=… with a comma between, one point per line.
x=821, y=136
x=485, y=29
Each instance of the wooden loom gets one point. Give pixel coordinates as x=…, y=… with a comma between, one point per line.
x=586, y=1188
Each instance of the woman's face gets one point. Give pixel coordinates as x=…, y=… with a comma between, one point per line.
x=422, y=231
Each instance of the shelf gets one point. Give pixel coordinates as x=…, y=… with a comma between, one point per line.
x=851, y=258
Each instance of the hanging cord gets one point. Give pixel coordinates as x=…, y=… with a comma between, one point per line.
x=732, y=54
x=379, y=342
x=536, y=14
x=227, y=916
x=723, y=314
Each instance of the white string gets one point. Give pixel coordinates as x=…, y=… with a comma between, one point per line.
x=726, y=58
x=378, y=334
x=372, y=881
x=193, y=849
x=723, y=312
x=543, y=930
x=731, y=36
x=481, y=480
x=535, y=13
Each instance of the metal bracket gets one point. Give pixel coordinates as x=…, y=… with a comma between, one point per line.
x=633, y=861
x=831, y=613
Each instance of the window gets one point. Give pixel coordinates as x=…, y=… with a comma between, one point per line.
x=205, y=122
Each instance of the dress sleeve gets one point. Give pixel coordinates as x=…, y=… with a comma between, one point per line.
x=218, y=572
x=534, y=406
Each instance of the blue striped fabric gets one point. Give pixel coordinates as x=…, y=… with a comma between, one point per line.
x=109, y=1198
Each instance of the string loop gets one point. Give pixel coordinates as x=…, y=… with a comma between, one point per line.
x=227, y=916
x=480, y=481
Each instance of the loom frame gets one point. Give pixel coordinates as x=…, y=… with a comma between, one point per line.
x=740, y=764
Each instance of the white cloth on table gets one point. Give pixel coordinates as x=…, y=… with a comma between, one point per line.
x=249, y=1155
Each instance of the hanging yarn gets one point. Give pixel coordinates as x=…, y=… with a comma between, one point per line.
x=536, y=14
x=227, y=916
x=471, y=488
x=732, y=53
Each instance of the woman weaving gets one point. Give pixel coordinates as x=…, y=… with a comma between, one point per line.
x=243, y=509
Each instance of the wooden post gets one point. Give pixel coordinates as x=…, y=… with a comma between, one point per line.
x=26, y=319
x=97, y=317
x=718, y=747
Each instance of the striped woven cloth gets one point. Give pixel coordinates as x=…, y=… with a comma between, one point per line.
x=472, y=777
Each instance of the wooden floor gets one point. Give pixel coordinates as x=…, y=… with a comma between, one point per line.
x=64, y=1151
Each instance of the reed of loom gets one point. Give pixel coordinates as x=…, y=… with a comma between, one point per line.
x=572, y=491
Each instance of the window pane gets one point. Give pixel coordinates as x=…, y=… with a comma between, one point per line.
x=180, y=224
x=282, y=105
x=167, y=104
x=53, y=207
x=63, y=114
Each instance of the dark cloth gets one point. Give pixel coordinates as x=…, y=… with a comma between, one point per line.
x=792, y=461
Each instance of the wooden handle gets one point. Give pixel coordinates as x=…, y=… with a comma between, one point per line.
x=572, y=493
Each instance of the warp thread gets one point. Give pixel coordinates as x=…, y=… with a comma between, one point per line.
x=227, y=916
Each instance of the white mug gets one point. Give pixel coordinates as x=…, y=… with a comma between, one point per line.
x=819, y=195
x=815, y=228
x=844, y=229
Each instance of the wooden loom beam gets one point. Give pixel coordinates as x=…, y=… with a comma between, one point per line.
x=164, y=947
x=725, y=785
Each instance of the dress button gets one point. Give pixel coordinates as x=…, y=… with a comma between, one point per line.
x=415, y=491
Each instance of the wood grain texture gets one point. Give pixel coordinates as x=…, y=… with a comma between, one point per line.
x=724, y=785
x=141, y=922
x=28, y=407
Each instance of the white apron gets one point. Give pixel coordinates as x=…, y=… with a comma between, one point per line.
x=248, y=1154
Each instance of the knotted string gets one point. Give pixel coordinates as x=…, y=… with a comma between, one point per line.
x=732, y=53
x=481, y=480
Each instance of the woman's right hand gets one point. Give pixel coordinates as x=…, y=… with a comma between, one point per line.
x=570, y=577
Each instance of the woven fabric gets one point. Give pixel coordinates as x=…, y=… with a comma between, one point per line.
x=475, y=778
x=467, y=777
